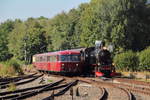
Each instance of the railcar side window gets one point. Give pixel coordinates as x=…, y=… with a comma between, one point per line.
x=69, y=58
x=48, y=58
x=44, y=58
x=41, y=59
x=75, y=57
x=63, y=58
x=37, y=59
x=53, y=58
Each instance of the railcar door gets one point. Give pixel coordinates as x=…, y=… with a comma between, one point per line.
x=48, y=63
x=53, y=64
x=44, y=63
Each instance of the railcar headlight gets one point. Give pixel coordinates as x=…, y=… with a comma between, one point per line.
x=77, y=64
x=62, y=66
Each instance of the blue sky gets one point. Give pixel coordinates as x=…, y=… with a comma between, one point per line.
x=22, y=9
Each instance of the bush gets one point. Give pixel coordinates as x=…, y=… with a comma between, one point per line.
x=127, y=61
x=15, y=64
x=6, y=70
x=10, y=68
x=144, y=58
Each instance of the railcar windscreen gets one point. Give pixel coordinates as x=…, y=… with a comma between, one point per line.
x=33, y=59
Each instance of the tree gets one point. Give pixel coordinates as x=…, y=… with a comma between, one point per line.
x=117, y=21
x=89, y=27
x=122, y=23
x=30, y=38
x=5, y=29
x=58, y=30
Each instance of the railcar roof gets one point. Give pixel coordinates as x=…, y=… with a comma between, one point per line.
x=64, y=52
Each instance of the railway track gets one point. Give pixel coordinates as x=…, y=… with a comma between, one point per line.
x=28, y=92
x=140, y=89
x=63, y=91
x=131, y=91
x=106, y=90
x=35, y=92
x=14, y=79
x=107, y=94
x=32, y=91
x=103, y=94
x=102, y=86
x=131, y=81
x=20, y=83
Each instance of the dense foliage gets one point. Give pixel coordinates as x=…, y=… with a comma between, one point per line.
x=127, y=61
x=133, y=61
x=5, y=30
x=144, y=58
x=122, y=23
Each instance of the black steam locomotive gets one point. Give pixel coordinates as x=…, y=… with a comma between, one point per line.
x=97, y=60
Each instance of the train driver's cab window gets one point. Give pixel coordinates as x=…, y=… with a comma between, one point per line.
x=33, y=59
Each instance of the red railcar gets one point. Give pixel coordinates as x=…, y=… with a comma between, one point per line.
x=67, y=61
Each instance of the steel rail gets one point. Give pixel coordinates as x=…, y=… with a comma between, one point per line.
x=127, y=92
x=21, y=90
x=16, y=80
x=102, y=97
x=12, y=78
x=14, y=95
x=63, y=91
x=35, y=92
x=20, y=83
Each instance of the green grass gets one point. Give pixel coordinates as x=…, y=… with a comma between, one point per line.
x=144, y=80
x=12, y=87
x=140, y=76
x=50, y=80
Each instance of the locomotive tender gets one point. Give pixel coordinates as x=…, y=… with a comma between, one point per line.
x=93, y=60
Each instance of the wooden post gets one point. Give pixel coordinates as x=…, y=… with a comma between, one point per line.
x=52, y=96
x=77, y=92
x=71, y=92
